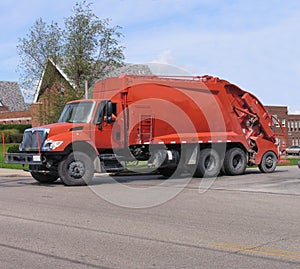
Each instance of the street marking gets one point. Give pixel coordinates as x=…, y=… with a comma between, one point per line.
x=257, y=250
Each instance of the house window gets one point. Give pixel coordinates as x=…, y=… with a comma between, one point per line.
x=283, y=122
x=275, y=120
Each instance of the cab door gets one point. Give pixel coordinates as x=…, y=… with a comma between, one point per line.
x=107, y=134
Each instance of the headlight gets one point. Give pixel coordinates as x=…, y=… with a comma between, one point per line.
x=51, y=145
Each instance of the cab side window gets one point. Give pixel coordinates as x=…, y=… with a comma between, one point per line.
x=114, y=113
x=101, y=116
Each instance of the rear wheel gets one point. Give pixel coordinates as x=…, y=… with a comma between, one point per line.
x=268, y=162
x=44, y=177
x=209, y=163
x=235, y=162
x=76, y=169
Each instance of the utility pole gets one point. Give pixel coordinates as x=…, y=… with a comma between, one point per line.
x=86, y=94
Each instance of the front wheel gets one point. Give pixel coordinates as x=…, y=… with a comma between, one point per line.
x=268, y=162
x=76, y=169
x=166, y=172
x=44, y=177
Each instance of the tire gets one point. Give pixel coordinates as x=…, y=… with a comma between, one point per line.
x=44, y=177
x=268, y=162
x=235, y=162
x=166, y=172
x=76, y=169
x=209, y=163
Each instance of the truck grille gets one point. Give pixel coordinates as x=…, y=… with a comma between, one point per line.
x=31, y=137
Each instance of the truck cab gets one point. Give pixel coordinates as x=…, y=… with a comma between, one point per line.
x=82, y=132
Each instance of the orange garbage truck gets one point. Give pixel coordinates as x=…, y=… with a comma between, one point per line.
x=201, y=125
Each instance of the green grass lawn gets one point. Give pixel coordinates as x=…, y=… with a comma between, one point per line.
x=2, y=160
x=290, y=161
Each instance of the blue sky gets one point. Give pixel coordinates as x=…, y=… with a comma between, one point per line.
x=254, y=44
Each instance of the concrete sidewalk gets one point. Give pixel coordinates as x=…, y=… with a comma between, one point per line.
x=4, y=172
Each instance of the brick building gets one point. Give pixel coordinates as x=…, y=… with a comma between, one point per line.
x=290, y=123
x=293, y=129
x=53, y=88
x=13, y=109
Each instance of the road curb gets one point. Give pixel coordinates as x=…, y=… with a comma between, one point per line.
x=4, y=172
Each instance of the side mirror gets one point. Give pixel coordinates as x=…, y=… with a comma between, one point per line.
x=109, y=111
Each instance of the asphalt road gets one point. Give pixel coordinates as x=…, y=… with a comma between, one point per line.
x=249, y=221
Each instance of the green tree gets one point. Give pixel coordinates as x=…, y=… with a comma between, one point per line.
x=43, y=42
x=86, y=48
x=92, y=47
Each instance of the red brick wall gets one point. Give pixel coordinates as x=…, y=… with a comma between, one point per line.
x=293, y=129
x=47, y=109
x=35, y=113
x=291, y=123
x=15, y=117
x=40, y=111
x=3, y=108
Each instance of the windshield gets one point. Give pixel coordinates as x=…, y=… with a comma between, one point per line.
x=77, y=112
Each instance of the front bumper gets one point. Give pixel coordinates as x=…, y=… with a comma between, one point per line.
x=23, y=158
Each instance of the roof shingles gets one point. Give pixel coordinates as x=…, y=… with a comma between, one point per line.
x=11, y=96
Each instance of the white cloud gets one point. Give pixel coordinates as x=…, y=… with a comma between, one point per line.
x=165, y=57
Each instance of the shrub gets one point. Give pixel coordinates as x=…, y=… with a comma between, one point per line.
x=20, y=127
x=13, y=149
x=13, y=133
x=16, y=138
